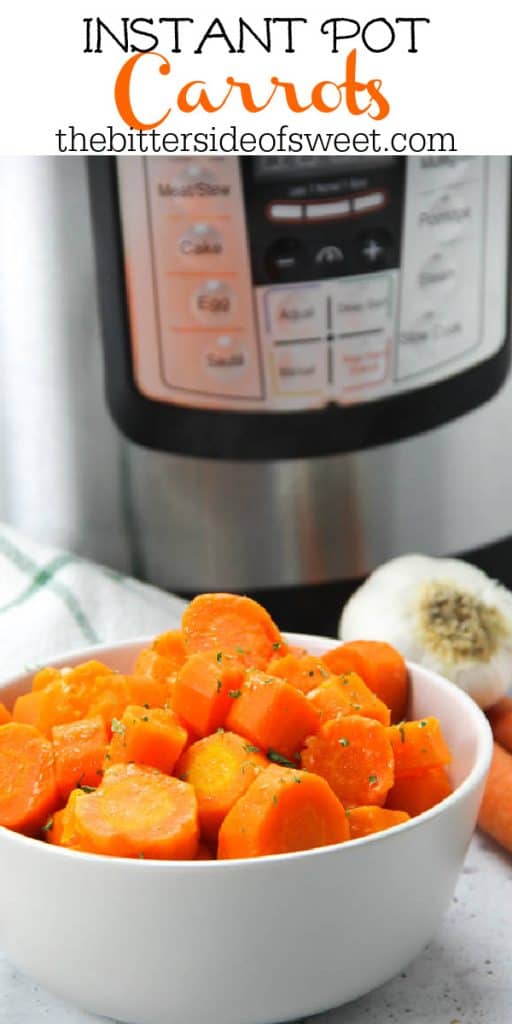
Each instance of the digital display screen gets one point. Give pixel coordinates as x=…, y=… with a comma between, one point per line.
x=278, y=168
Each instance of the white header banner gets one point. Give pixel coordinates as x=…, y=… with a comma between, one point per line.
x=324, y=77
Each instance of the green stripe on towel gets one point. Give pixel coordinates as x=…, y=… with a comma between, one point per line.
x=45, y=577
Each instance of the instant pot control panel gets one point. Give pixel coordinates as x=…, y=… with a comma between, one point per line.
x=261, y=286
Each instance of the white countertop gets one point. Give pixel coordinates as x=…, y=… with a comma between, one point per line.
x=463, y=977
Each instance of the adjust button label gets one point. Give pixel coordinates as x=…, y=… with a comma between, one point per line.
x=295, y=314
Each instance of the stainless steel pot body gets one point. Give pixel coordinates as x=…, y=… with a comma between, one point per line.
x=68, y=477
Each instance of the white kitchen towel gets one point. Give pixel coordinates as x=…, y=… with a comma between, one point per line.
x=52, y=602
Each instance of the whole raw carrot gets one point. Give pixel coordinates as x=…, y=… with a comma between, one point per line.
x=347, y=695
x=220, y=768
x=364, y=821
x=272, y=714
x=151, y=736
x=495, y=814
x=419, y=793
x=500, y=718
x=355, y=757
x=380, y=666
x=232, y=624
x=28, y=790
x=138, y=811
x=282, y=811
x=79, y=749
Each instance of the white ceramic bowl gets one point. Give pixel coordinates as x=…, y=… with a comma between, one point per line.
x=243, y=942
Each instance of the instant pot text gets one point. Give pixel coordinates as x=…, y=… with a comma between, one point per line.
x=356, y=51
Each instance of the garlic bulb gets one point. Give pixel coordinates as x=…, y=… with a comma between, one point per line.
x=442, y=613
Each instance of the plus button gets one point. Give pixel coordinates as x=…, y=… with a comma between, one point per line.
x=372, y=250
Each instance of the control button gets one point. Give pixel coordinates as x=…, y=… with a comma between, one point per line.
x=362, y=305
x=369, y=201
x=297, y=313
x=438, y=274
x=443, y=171
x=327, y=260
x=375, y=249
x=328, y=210
x=200, y=241
x=362, y=362
x=432, y=338
x=225, y=358
x=300, y=369
x=285, y=211
x=213, y=302
x=194, y=181
x=284, y=260
x=191, y=172
x=448, y=215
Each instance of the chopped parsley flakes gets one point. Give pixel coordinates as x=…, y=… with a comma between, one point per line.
x=277, y=758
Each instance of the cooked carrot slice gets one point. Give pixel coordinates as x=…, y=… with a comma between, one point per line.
x=204, y=689
x=164, y=658
x=5, y=715
x=364, y=821
x=138, y=811
x=114, y=693
x=151, y=736
x=355, y=756
x=220, y=768
x=45, y=676
x=28, y=791
x=417, y=746
x=60, y=828
x=81, y=694
x=52, y=829
x=282, y=811
x=272, y=714
x=347, y=695
x=79, y=750
x=84, y=673
x=45, y=708
x=232, y=624
x=304, y=671
x=380, y=666
x=419, y=793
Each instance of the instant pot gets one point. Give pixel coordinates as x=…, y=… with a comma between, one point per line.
x=264, y=374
